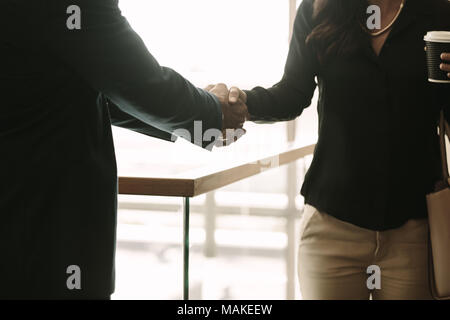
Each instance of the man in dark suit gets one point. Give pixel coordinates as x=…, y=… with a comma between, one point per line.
x=68, y=70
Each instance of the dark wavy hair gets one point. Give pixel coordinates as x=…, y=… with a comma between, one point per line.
x=337, y=30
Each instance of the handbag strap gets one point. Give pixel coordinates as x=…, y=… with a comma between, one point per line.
x=444, y=128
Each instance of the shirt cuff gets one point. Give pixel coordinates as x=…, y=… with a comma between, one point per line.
x=219, y=113
x=215, y=120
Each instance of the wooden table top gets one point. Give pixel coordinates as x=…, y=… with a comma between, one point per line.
x=191, y=182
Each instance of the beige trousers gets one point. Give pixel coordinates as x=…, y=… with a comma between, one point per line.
x=334, y=257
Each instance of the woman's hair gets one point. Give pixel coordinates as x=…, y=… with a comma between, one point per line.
x=337, y=30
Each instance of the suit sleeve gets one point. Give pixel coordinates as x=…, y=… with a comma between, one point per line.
x=287, y=99
x=124, y=120
x=113, y=59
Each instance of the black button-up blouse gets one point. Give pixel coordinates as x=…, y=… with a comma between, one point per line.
x=377, y=156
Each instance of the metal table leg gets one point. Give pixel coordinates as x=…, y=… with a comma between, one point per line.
x=186, y=249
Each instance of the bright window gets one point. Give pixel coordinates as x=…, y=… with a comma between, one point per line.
x=238, y=42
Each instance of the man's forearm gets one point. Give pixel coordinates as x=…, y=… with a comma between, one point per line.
x=113, y=60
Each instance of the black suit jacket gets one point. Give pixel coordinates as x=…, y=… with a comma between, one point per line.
x=60, y=89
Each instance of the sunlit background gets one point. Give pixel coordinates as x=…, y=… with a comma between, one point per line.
x=241, y=235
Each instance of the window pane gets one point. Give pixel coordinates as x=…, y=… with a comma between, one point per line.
x=238, y=42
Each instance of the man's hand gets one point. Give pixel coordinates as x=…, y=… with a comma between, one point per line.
x=234, y=112
x=446, y=66
x=236, y=95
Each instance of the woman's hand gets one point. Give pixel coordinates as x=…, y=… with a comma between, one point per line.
x=446, y=65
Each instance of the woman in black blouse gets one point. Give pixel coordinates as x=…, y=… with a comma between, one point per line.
x=377, y=155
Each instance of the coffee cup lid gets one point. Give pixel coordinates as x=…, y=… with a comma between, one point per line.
x=438, y=36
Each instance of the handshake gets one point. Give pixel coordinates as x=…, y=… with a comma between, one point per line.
x=234, y=112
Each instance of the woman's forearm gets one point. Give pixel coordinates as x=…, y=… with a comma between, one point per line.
x=282, y=102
